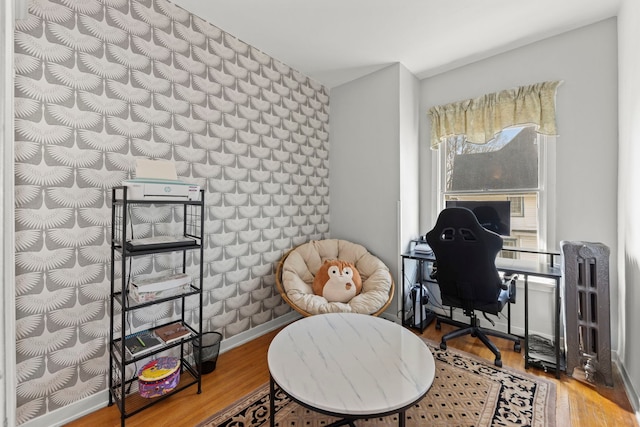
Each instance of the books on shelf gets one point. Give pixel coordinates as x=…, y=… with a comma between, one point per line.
x=142, y=342
x=172, y=332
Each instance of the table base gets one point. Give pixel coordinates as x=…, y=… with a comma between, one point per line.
x=347, y=419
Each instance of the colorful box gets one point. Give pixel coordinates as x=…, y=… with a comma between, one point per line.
x=158, y=377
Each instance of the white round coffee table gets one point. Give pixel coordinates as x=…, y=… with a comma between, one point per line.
x=350, y=365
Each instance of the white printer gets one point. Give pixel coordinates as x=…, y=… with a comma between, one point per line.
x=157, y=180
x=160, y=189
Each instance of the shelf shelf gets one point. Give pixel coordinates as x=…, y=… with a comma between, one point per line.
x=421, y=326
x=544, y=363
x=122, y=391
x=132, y=304
x=116, y=349
x=134, y=403
x=129, y=253
x=120, y=198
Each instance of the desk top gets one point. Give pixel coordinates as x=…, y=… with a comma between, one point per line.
x=351, y=364
x=520, y=266
x=508, y=265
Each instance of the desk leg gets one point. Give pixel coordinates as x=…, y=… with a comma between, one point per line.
x=509, y=317
x=272, y=402
x=419, y=297
x=526, y=321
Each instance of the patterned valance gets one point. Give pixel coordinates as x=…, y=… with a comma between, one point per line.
x=480, y=119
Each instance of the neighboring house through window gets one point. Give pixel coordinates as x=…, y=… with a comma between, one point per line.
x=509, y=167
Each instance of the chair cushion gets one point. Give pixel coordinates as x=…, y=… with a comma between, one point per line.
x=303, y=262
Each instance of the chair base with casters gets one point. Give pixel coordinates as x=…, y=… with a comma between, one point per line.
x=475, y=330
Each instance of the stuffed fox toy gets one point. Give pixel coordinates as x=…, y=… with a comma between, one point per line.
x=337, y=281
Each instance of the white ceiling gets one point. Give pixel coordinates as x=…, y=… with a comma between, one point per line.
x=335, y=41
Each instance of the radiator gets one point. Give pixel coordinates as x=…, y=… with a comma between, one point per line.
x=587, y=311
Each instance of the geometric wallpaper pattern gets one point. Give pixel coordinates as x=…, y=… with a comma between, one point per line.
x=101, y=83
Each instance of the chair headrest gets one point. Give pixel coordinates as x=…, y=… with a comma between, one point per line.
x=458, y=223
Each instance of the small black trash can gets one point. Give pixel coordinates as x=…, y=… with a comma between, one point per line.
x=210, y=349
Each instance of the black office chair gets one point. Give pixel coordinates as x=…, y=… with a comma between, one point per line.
x=466, y=273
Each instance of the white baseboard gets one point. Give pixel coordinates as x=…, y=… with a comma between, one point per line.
x=389, y=316
x=71, y=412
x=258, y=331
x=632, y=395
x=83, y=407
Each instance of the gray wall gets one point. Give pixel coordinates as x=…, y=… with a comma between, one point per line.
x=409, y=160
x=364, y=161
x=629, y=189
x=374, y=161
x=586, y=151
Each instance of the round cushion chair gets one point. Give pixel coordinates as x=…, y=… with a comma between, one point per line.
x=297, y=268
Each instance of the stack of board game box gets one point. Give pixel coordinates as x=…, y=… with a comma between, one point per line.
x=154, y=288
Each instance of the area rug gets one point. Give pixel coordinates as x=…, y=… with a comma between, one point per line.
x=466, y=391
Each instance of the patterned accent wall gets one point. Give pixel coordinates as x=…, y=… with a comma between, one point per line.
x=99, y=83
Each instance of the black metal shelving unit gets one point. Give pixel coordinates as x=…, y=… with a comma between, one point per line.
x=123, y=390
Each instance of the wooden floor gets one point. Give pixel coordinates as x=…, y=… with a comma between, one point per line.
x=243, y=369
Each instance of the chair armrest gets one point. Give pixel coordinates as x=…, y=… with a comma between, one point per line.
x=433, y=275
x=509, y=282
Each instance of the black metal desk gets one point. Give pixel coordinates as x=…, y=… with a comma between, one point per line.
x=524, y=268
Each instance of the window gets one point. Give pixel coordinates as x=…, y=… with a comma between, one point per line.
x=517, y=206
x=508, y=167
